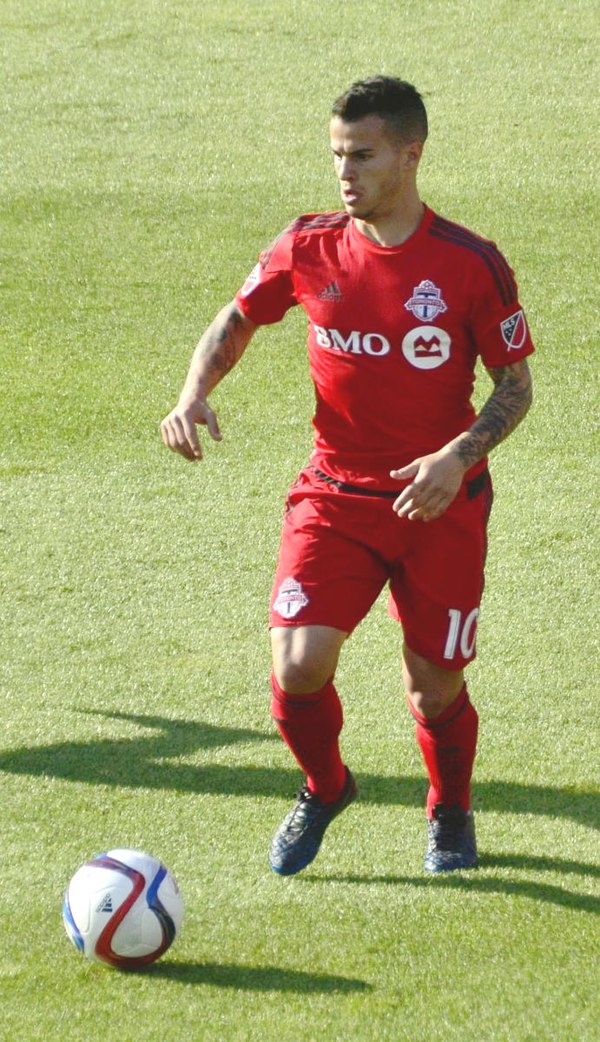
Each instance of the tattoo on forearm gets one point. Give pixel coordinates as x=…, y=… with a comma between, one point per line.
x=222, y=345
x=503, y=411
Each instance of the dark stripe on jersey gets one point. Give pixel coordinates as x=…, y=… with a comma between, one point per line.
x=310, y=222
x=321, y=220
x=491, y=256
x=466, y=236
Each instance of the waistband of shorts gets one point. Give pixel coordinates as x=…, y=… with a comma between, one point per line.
x=473, y=487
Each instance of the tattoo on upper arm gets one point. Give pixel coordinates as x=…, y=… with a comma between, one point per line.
x=503, y=411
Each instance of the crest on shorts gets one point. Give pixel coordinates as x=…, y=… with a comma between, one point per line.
x=290, y=599
x=426, y=302
x=514, y=330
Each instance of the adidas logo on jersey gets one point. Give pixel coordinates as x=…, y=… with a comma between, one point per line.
x=331, y=292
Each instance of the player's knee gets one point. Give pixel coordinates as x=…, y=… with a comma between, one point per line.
x=299, y=676
x=305, y=658
x=429, y=688
x=430, y=703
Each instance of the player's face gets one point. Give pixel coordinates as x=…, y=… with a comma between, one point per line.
x=373, y=167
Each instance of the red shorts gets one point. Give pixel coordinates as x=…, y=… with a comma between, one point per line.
x=339, y=549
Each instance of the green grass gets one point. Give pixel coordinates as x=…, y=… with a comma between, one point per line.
x=148, y=151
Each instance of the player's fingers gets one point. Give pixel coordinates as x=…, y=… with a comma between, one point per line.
x=408, y=502
x=421, y=515
x=212, y=425
x=406, y=472
x=419, y=499
x=404, y=501
x=191, y=441
x=433, y=508
x=415, y=495
x=167, y=433
x=175, y=438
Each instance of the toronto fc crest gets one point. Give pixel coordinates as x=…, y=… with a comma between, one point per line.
x=290, y=599
x=426, y=302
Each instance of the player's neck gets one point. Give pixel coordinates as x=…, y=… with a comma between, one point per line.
x=396, y=227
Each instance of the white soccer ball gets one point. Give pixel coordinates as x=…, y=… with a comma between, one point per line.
x=123, y=908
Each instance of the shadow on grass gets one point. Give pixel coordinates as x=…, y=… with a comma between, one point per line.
x=254, y=978
x=473, y=882
x=150, y=761
x=536, y=864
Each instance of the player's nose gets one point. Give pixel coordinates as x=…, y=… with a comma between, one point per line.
x=345, y=170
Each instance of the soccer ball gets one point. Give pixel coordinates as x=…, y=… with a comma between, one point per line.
x=123, y=908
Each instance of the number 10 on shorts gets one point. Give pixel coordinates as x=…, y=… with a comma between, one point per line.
x=461, y=633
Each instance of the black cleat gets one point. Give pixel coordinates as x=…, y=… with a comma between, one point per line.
x=297, y=840
x=451, y=840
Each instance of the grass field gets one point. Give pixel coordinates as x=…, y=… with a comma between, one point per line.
x=148, y=151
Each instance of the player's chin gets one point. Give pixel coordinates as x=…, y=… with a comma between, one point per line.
x=358, y=211
x=354, y=207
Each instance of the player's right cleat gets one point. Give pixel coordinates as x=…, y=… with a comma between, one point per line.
x=450, y=840
x=297, y=840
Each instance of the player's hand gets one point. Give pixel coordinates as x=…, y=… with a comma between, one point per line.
x=179, y=431
x=436, y=480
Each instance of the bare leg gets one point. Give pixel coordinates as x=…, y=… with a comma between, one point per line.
x=429, y=689
x=305, y=704
x=305, y=657
x=309, y=716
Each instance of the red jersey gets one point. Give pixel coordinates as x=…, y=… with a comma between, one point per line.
x=393, y=334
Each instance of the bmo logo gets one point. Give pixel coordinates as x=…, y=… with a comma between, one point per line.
x=426, y=347
x=354, y=343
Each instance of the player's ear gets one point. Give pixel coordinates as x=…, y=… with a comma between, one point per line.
x=412, y=154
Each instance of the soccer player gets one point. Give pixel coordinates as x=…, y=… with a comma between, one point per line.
x=400, y=303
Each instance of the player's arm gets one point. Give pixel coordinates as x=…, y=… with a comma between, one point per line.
x=508, y=403
x=438, y=476
x=219, y=349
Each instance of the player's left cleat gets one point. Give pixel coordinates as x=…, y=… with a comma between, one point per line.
x=450, y=840
x=297, y=840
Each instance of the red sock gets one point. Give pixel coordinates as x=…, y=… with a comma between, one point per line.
x=310, y=726
x=448, y=744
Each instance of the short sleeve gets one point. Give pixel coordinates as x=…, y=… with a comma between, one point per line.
x=268, y=292
x=499, y=325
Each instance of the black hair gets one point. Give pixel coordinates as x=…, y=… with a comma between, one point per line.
x=395, y=101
